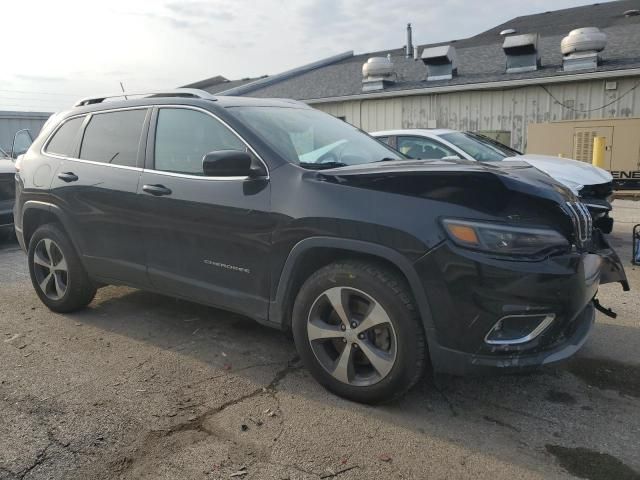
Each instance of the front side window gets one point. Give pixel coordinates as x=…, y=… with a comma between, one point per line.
x=424, y=148
x=113, y=137
x=184, y=137
x=64, y=140
x=481, y=150
x=313, y=139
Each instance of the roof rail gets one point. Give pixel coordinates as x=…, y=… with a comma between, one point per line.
x=176, y=92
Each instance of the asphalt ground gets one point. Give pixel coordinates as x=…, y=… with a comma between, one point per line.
x=142, y=386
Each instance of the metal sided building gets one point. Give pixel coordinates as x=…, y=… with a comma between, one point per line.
x=11, y=122
x=497, y=82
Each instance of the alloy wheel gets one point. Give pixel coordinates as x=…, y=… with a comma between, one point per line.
x=352, y=336
x=50, y=269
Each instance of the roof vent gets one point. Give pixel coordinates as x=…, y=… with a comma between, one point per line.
x=580, y=49
x=522, y=53
x=441, y=62
x=508, y=31
x=634, y=12
x=378, y=73
x=408, y=48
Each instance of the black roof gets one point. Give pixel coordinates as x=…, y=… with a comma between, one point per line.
x=480, y=58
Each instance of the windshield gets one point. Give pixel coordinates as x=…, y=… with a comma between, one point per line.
x=508, y=151
x=313, y=139
x=476, y=146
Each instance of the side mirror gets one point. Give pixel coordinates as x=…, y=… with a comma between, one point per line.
x=21, y=142
x=231, y=163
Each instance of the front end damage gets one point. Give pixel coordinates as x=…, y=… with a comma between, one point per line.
x=496, y=314
x=497, y=303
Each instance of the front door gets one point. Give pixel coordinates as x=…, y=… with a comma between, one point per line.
x=208, y=239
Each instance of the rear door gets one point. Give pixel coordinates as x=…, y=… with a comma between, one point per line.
x=208, y=239
x=97, y=188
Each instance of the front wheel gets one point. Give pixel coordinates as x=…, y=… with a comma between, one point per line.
x=56, y=272
x=358, y=331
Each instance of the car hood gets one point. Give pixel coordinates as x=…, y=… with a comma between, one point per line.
x=432, y=178
x=571, y=173
x=7, y=166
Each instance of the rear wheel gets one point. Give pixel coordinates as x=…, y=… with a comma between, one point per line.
x=56, y=272
x=358, y=332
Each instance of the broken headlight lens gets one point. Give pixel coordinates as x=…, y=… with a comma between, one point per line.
x=504, y=239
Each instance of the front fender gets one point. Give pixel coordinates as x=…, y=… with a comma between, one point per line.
x=277, y=307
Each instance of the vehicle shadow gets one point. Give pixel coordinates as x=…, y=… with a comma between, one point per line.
x=517, y=412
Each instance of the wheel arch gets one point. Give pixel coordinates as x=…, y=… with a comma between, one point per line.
x=36, y=213
x=313, y=253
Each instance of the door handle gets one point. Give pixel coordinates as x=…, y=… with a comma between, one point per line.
x=68, y=177
x=157, y=190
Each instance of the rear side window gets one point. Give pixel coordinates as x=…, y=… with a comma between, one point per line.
x=184, y=137
x=63, y=141
x=113, y=137
x=424, y=148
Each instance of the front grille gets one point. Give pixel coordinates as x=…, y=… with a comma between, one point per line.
x=582, y=222
x=7, y=186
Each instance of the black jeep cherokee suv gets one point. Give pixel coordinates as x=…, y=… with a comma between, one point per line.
x=379, y=265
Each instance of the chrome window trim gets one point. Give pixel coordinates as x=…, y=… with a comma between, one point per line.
x=548, y=319
x=201, y=177
x=139, y=169
x=88, y=114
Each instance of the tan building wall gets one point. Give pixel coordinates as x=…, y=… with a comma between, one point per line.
x=494, y=110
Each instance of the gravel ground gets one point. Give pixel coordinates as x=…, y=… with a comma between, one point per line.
x=143, y=386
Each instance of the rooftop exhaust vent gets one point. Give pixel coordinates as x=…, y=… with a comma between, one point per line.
x=408, y=48
x=378, y=73
x=441, y=62
x=581, y=47
x=508, y=31
x=522, y=53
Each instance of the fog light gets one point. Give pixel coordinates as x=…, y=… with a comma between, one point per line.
x=517, y=329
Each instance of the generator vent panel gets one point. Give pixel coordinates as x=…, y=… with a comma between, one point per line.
x=583, y=145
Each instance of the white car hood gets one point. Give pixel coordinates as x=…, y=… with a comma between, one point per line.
x=570, y=173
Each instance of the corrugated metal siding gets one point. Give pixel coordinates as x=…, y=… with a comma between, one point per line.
x=510, y=110
x=11, y=122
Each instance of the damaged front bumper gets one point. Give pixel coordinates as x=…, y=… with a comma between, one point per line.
x=477, y=301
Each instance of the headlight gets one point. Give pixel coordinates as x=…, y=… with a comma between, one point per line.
x=495, y=238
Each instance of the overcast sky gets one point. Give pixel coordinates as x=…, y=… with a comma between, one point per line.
x=56, y=51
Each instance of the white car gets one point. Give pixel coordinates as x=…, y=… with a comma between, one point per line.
x=592, y=184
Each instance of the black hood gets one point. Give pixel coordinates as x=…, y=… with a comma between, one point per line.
x=513, y=192
x=514, y=176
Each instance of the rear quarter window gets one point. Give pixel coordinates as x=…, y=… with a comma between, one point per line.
x=65, y=139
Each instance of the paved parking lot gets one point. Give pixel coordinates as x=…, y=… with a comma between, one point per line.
x=144, y=386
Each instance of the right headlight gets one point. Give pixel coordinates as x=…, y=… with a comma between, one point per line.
x=503, y=239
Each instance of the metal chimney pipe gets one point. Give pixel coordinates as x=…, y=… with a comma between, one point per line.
x=408, y=49
x=416, y=53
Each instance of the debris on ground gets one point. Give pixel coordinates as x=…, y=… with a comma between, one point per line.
x=243, y=471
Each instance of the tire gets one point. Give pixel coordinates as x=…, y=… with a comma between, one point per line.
x=64, y=290
x=388, y=330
